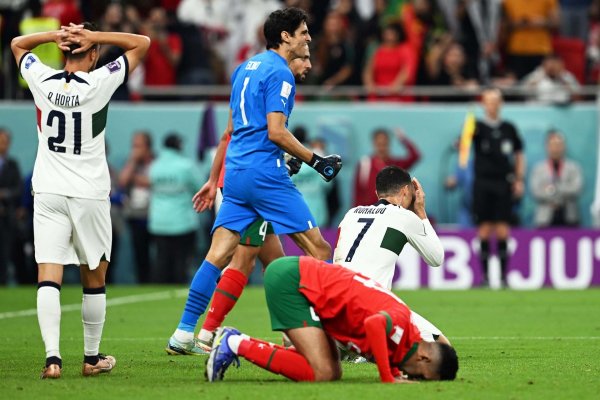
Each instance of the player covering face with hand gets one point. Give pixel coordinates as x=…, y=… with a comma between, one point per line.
x=315, y=303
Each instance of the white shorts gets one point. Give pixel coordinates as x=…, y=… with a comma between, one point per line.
x=69, y=230
x=427, y=329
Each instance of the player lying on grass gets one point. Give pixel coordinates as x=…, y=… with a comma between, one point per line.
x=316, y=304
x=371, y=237
x=259, y=241
x=70, y=181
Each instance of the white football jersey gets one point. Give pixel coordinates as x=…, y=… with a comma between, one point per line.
x=71, y=113
x=372, y=237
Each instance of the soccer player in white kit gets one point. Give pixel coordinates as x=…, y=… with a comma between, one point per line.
x=71, y=183
x=371, y=237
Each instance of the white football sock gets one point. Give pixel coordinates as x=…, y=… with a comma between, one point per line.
x=183, y=336
x=234, y=342
x=205, y=336
x=48, y=311
x=93, y=314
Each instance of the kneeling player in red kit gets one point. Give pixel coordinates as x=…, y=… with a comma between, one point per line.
x=316, y=304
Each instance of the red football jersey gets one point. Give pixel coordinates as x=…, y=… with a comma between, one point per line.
x=343, y=300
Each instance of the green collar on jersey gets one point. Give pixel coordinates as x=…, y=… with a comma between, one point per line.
x=412, y=351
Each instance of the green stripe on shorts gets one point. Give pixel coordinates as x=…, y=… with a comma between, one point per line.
x=289, y=309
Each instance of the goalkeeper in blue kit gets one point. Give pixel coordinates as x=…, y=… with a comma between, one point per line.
x=257, y=184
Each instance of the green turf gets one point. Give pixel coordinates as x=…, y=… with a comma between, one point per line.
x=511, y=345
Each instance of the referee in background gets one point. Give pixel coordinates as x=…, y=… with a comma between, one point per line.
x=499, y=173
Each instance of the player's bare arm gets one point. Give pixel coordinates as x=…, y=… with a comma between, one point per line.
x=135, y=46
x=328, y=167
x=205, y=197
x=23, y=44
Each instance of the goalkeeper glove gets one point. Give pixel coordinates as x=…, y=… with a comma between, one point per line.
x=293, y=165
x=328, y=167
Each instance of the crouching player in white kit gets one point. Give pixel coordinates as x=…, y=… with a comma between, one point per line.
x=371, y=237
x=71, y=183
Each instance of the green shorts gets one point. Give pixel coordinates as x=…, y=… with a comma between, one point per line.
x=288, y=307
x=256, y=233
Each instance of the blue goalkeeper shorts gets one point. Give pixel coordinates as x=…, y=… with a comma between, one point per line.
x=267, y=193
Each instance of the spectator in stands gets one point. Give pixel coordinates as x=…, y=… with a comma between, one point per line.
x=313, y=188
x=335, y=54
x=551, y=82
x=574, y=19
x=49, y=53
x=172, y=220
x=10, y=195
x=319, y=145
x=529, y=26
x=446, y=65
x=393, y=66
x=499, y=167
x=367, y=37
x=593, y=44
x=114, y=19
x=556, y=184
x=369, y=166
x=134, y=182
x=478, y=24
x=66, y=11
x=164, y=53
x=23, y=254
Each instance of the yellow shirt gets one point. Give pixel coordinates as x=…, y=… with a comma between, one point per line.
x=49, y=53
x=529, y=41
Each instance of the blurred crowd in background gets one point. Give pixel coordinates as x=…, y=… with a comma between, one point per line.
x=549, y=47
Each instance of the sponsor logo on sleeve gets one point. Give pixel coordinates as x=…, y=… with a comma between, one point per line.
x=252, y=65
x=286, y=89
x=30, y=60
x=397, y=335
x=113, y=66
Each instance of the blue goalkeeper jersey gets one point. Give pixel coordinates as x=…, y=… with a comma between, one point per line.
x=261, y=85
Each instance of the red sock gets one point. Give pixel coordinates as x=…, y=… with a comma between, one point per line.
x=277, y=359
x=227, y=293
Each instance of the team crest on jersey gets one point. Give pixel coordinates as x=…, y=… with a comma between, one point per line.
x=30, y=60
x=286, y=89
x=113, y=66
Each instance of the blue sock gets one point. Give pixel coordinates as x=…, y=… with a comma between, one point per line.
x=201, y=290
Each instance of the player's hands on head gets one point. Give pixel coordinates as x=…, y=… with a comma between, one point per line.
x=328, y=167
x=205, y=197
x=419, y=203
x=76, y=34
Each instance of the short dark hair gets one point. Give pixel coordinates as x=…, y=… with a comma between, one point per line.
x=300, y=133
x=390, y=180
x=286, y=20
x=380, y=131
x=448, y=362
x=173, y=141
x=90, y=26
x=554, y=132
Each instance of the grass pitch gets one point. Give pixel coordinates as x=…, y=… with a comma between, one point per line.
x=511, y=345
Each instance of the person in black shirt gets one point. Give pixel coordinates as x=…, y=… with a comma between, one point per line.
x=499, y=171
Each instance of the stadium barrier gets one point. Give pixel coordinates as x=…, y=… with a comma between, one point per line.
x=557, y=258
